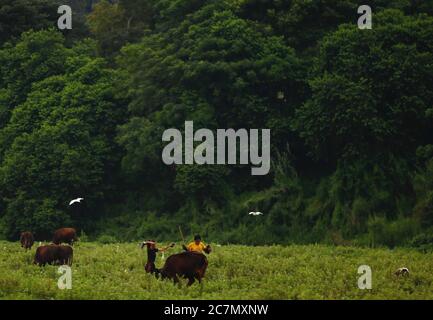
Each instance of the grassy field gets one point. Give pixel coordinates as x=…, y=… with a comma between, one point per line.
x=115, y=271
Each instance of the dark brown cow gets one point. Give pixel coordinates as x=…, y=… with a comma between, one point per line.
x=208, y=249
x=190, y=265
x=27, y=240
x=53, y=254
x=65, y=235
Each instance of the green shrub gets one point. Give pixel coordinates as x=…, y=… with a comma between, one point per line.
x=83, y=236
x=106, y=239
x=423, y=241
x=391, y=233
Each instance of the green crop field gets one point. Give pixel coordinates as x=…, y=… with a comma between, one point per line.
x=115, y=271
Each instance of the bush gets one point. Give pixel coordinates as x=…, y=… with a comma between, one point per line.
x=391, y=233
x=423, y=241
x=83, y=236
x=106, y=239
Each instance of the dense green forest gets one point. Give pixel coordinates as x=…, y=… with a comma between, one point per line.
x=82, y=113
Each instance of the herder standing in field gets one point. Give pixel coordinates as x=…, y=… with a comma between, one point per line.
x=151, y=254
x=197, y=246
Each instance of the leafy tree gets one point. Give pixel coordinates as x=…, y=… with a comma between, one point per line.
x=113, y=25
x=304, y=23
x=215, y=69
x=35, y=57
x=372, y=90
x=17, y=16
x=349, y=111
x=61, y=142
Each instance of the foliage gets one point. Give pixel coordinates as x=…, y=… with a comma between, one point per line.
x=17, y=16
x=113, y=25
x=372, y=92
x=422, y=241
x=234, y=272
x=349, y=111
x=396, y=233
x=59, y=139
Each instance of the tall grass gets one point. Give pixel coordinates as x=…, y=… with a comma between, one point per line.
x=116, y=271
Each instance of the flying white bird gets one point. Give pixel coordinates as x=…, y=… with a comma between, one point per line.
x=255, y=213
x=75, y=200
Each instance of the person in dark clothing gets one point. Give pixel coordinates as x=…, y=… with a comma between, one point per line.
x=151, y=254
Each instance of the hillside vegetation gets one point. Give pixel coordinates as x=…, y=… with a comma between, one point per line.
x=350, y=111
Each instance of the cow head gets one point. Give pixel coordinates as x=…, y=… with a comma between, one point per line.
x=208, y=249
x=149, y=243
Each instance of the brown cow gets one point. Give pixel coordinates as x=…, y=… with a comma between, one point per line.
x=65, y=235
x=53, y=254
x=27, y=240
x=190, y=265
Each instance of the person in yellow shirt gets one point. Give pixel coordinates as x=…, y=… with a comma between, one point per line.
x=197, y=246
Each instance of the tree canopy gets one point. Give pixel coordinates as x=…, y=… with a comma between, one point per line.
x=350, y=112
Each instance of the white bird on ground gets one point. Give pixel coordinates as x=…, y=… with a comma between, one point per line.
x=402, y=271
x=255, y=213
x=75, y=200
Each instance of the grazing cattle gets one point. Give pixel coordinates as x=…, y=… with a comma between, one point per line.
x=27, y=240
x=65, y=235
x=190, y=265
x=53, y=254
